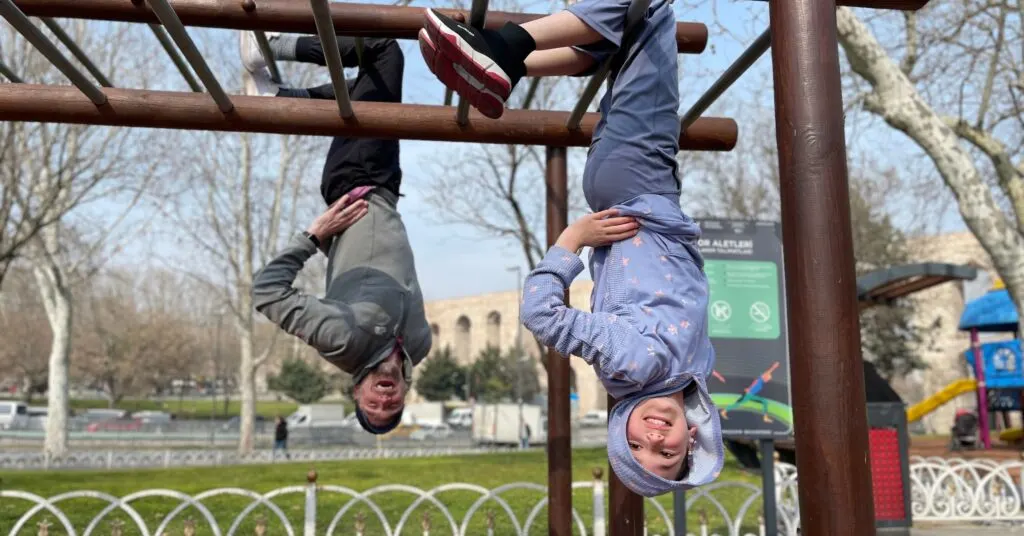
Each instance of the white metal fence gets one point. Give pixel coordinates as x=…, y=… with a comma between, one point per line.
x=514, y=508
x=126, y=459
x=959, y=490
x=949, y=490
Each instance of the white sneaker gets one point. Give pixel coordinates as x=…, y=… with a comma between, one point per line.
x=252, y=58
x=258, y=83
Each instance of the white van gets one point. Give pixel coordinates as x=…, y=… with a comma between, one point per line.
x=461, y=418
x=13, y=415
x=317, y=415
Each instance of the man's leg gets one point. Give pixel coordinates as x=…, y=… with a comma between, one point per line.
x=367, y=161
x=379, y=80
x=383, y=58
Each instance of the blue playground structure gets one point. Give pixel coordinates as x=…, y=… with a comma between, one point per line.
x=996, y=365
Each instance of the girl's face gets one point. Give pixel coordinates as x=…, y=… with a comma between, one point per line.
x=657, y=434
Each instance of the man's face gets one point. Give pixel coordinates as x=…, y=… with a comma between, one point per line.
x=381, y=394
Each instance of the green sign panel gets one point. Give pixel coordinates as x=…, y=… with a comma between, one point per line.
x=747, y=325
x=744, y=301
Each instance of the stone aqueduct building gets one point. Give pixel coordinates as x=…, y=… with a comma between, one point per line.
x=469, y=324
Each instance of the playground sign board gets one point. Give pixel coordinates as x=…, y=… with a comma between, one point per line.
x=747, y=325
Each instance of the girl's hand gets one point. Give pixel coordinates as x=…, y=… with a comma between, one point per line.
x=598, y=229
x=338, y=217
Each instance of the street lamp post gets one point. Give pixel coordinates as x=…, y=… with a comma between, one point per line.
x=519, y=354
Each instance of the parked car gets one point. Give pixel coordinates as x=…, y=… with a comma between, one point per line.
x=153, y=417
x=594, y=418
x=430, y=431
x=102, y=414
x=157, y=421
x=124, y=423
x=234, y=423
x=13, y=415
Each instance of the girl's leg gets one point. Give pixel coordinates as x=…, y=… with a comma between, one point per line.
x=562, y=29
x=484, y=65
x=564, y=61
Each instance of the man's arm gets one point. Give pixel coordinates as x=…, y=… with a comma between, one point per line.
x=326, y=327
x=600, y=338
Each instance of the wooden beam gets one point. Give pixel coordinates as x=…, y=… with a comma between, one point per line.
x=292, y=16
x=278, y=115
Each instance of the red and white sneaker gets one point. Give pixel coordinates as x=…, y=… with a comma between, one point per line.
x=475, y=72
x=453, y=76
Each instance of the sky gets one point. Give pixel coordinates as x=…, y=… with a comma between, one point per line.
x=454, y=261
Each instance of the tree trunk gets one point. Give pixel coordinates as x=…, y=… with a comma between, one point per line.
x=895, y=99
x=27, y=385
x=57, y=302
x=247, y=384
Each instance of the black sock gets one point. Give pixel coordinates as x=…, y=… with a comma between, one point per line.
x=510, y=45
x=518, y=42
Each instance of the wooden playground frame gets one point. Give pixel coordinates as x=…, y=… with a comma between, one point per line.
x=829, y=402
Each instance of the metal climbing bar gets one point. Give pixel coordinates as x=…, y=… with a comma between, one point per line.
x=312, y=117
x=292, y=16
x=477, y=16
x=9, y=74
x=35, y=36
x=268, y=56
x=360, y=50
x=634, y=15
x=531, y=92
x=729, y=77
x=329, y=40
x=76, y=51
x=179, y=62
x=165, y=13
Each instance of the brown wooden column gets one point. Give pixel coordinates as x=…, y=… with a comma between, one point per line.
x=559, y=432
x=625, y=508
x=830, y=420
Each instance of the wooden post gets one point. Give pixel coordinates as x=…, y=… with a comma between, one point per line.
x=625, y=508
x=559, y=432
x=830, y=414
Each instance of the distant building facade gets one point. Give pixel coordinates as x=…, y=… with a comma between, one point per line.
x=945, y=303
x=471, y=324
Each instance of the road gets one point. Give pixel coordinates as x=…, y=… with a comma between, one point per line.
x=199, y=434
x=965, y=530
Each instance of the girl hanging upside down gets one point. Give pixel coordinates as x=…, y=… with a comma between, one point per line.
x=647, y=336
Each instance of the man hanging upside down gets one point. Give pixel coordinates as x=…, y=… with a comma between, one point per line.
x=371, y=323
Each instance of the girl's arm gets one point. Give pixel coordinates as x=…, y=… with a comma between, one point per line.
x=600, y=338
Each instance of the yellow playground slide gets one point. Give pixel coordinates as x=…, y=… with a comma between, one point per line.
x=947, y=393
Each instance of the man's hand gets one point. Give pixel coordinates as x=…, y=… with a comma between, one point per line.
x=598, y=229
x=338, y=217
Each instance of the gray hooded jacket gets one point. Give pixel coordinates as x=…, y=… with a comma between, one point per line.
x=373, y=296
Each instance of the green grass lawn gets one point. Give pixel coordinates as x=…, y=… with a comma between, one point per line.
x=488, y=471
x=192, y=409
